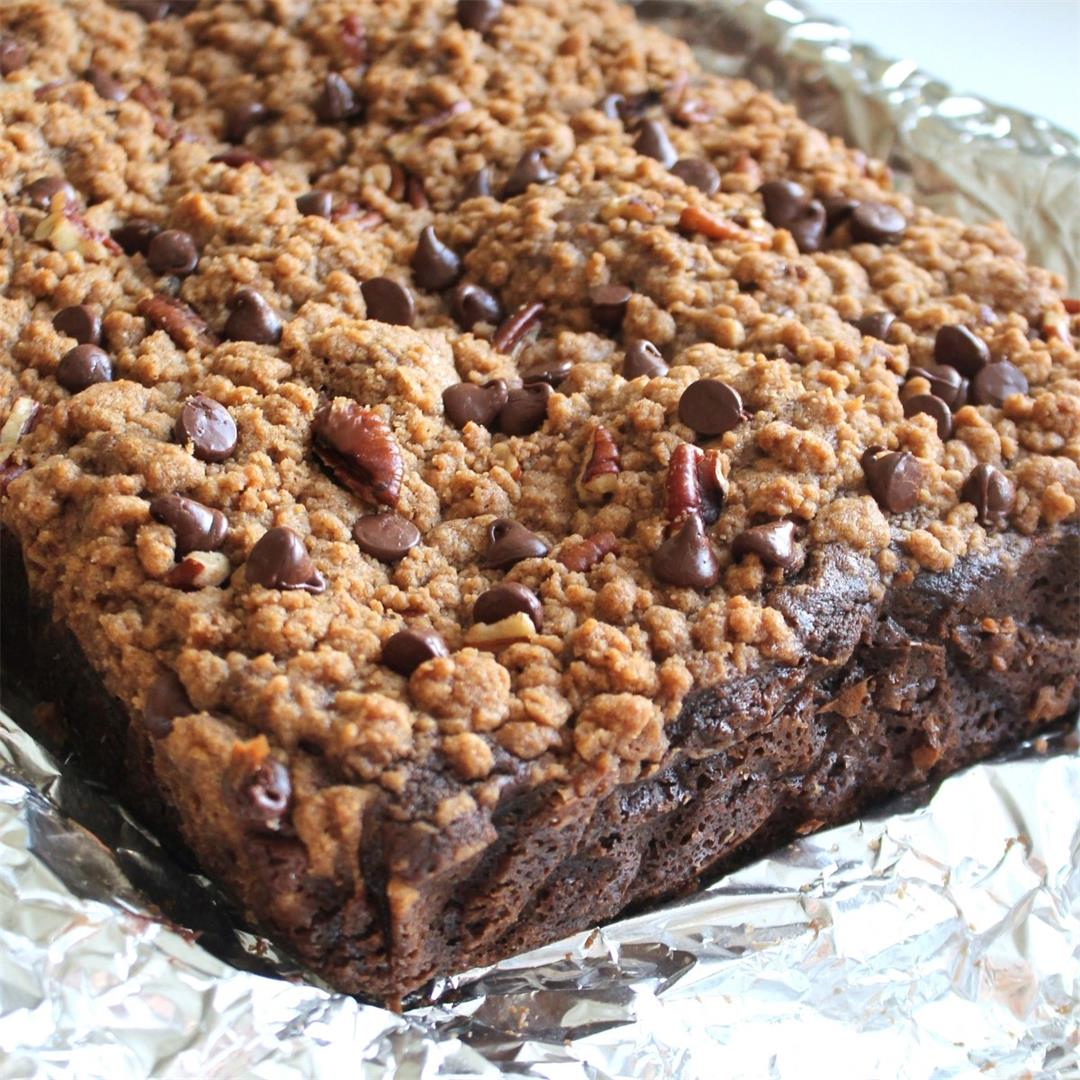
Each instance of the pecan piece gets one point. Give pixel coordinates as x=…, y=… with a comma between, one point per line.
x=358, y=448
x=694, y=219
x=712, y=485
x=514, y=328
x=20, y=421
x=199, y=570
x=695, y=484
x=600, y=467
x=584, y=554
x=178, y=321
x=65, y=229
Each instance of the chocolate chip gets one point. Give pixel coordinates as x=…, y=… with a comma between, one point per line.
x=508, y=543
x=207, y=425
x=893, y=477
x=172, y=252
x=838, y=208
x=531, y=169
x=991, y=492
x=773, y=544
x=357, y=446
x=807, y=227
x=241, y=119
x=478, y=15
x=164, y=702
x=877, y=223
x=197, y=527
x=279, y=560
x=643, y=358
x=551, y=373
x=612, y=106
x=609, y=305
x=945, y=382
x=505, y=599
x=478, y=185
x=134, y=236
x=686, y=558
x=252, y=319
x=40, y=193
x=698, y=173
x=79, y=321
x=105, y=86
x=653, y=141
x=386, y=537
x=315, y=203
x=406, y=650
x=13, y=55
x=465, y=402
x=82, y=367
x=783, y=199
x=262, y=795
x=336, y=100
x=471, y=304
x=958, y=347
x=932, y=406
x=525, y=410
x=516, y=326
x=388, y=302
x=876, y=324
x=434, y=265
x=711, y=407
x=996, y=382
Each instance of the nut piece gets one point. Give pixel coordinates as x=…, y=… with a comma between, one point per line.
x=20, y=420
x=178, y=321
x=600, y=468
x=582, y=555
x=199, y=570
x=712, y=484
x=515, y=627
x=65, y=229
x=694, y=219
x=358, y=448
x=682, y=486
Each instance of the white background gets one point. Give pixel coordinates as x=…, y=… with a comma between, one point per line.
x=1024, y=53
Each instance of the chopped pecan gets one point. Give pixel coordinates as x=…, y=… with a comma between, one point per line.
x=600, y=466
x=712, y=485
x=199, y=570
x=515, y=627
x=178, y=321
x=585, y=554
x=65, y=229
x=396, y=189
x=1072, y=307
x=358, y=448
x=694, y=219
x=415, y=195
x=695, y=484
x=152, y=101
x=20, y=421
x=514, y=328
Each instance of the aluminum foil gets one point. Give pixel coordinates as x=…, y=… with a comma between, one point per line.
x=939, y=938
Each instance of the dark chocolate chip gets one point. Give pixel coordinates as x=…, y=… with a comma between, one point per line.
x=358, y=447
x=105, y=86
x=932, y=406
x=386, y=537
x=643, y=358
x=876, y=324
x=389, y=302
x=164, y=702
x=40, y=193
x=79, y=321
x=315, y=203
x=612, y=106
x=945, y=382
x=893, y=477
x=807, y=227
x=279, y=560
x=653, y=141
x=838, y=208
x=531, y=169
x=877, y=223
x=513, y=328
x=172, y=252
x=471, y=304
x=996, y=382
x=197, y=527
x=505, y=599
x=958, y=347
x=552, y=372
x=207, y=425
x=525, y=410
x=992, y=494
x=686, y=558
x=13, y=55
x=406, y=650
x=508, y=543
x=262, y=795
x=465, y=402
x=243, y=118
x=711, y=407
x=434, y=265
x=82, y=367
x=698, y=173
x=609, y=305
x=478, y=15
x=783, y=199
x=252, y=319
x=773, y=544
x=336, y=101
x=134, y=235
x=478, y=185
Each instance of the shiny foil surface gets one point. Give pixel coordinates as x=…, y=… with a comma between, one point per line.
x=938, y=938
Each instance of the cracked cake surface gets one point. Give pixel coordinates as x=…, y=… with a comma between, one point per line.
x=437, y=426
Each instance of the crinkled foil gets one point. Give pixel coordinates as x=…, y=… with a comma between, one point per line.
x=939, y=938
